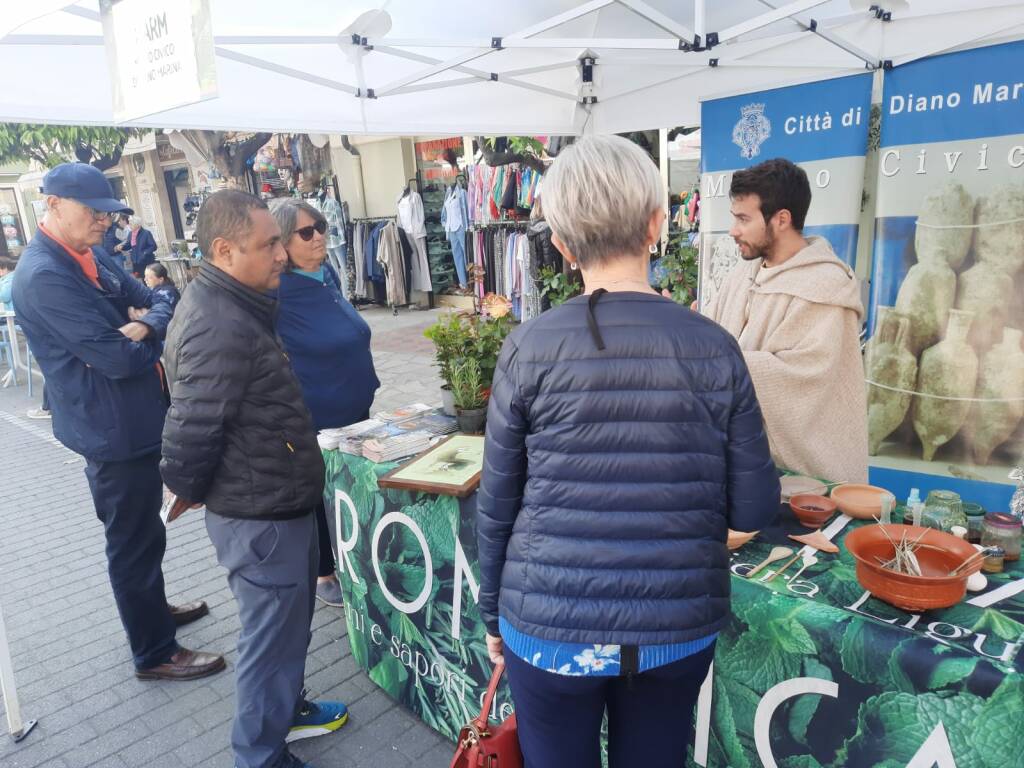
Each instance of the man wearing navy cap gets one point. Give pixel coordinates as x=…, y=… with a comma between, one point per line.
x=96, y=332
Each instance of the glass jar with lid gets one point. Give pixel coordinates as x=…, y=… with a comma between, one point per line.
x=1001, y=530
x=975, y=518
x=943, y=510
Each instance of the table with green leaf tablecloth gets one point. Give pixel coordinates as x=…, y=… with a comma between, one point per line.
x=809, y=673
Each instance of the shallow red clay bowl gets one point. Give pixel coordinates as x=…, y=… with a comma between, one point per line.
x=939, y=555
x=863, y=502
x=812, y=510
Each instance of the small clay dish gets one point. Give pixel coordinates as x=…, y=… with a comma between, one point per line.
x=939, y=554
x=812, y=510
x=863, y=502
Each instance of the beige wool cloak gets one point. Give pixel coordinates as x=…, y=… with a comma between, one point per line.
x=798, y=325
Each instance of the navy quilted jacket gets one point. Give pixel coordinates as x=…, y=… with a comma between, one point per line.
x=623, y=438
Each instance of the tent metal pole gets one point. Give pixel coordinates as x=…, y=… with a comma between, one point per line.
x=666, y=192
x=766, y=19
x=562, y=18
x=700, y=19
x=18, y=729
x=659, y=19
x=867, y=58
x=257, y=63
x=437, y=69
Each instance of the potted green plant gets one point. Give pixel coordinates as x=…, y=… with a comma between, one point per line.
x=470, y=399
x=678, y=270
x=451, y=337
x=556, y=287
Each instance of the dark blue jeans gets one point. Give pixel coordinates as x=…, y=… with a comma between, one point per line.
x=127, y=496
x=649, y=717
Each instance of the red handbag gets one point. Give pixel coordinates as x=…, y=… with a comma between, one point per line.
x=480, y=745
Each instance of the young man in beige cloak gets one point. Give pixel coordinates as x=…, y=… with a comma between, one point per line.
x=796, y=311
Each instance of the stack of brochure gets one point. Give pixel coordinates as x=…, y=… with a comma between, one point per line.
x=384, y=449
x=390, y=435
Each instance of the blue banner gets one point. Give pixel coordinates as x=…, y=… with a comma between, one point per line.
x=957, y=96
x=944, y=364
x=802, y=123
x=821, y=126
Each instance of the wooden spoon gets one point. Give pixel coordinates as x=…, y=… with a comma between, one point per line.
x=817, y=540
x=777, y=553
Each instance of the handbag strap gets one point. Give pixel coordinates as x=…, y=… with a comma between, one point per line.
x=483, y=719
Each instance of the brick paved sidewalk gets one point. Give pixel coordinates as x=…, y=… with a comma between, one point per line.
x=70, y=655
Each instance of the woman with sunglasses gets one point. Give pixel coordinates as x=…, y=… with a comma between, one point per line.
x=328, y=344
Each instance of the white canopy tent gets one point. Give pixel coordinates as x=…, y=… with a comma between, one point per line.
x=466, y=66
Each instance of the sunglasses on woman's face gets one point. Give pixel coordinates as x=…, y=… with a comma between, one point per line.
x=306, y=233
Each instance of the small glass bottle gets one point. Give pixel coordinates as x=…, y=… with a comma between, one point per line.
x=993, y=562
x=975, y=519
x=1000, y=530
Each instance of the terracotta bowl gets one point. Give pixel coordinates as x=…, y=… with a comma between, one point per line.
x=812, y=510
x=940, y=555
x=863, y=502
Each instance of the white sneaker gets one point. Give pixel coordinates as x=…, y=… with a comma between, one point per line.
x=38, y=413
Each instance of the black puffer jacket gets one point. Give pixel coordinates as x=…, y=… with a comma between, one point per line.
x=623, y=439
x=238, y=436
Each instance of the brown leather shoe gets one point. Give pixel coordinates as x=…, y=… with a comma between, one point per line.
x=184, y=665
x=186, y=613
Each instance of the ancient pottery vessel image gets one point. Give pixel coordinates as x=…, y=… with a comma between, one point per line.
x=888, y=362
x=1000, y=377
x=1000, y=229
x=988, y=293
x=926, y=296
x=944, y=228
x=949, y=370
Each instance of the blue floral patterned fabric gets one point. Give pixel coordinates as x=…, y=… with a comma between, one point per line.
x=590, y=659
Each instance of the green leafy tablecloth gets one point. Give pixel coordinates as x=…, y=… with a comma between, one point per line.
x=891, y=687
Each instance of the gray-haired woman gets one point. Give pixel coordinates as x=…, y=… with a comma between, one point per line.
x=623, y=439
x=328, y=343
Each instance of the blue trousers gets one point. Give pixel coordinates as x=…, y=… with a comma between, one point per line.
x=271, y=567
x=457, y=240
x=127, y=496
x=649, y=716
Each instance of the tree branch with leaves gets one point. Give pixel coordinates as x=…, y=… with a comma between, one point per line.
x=51, y=145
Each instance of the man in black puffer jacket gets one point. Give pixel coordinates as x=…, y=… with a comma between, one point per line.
x=238, y=438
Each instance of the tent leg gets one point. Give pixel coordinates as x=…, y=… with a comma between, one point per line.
x=19, y=730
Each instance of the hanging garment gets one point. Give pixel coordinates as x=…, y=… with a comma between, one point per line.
x=407, y=254
x=331, y=209
x=421, y=265
x=389, y=256
x=359, y=260
x=410, y=214
x=454, y=218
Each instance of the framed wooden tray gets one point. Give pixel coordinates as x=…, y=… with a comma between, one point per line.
x=451, y=468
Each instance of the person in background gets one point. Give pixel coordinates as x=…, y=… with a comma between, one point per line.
x=796, y=311
x=623, y=439
x=82, y=316
x=7, y=266
x=240, y=440
x=328, y=343
x=159, y=282
x=140, y=246
x=116, y=234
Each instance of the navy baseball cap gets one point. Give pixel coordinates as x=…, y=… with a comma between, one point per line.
x=85, y=184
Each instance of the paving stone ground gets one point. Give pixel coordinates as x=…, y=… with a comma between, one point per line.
x=70, y=656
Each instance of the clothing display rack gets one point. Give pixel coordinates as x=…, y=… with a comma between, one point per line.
x=381, y=258
x=502, y=254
